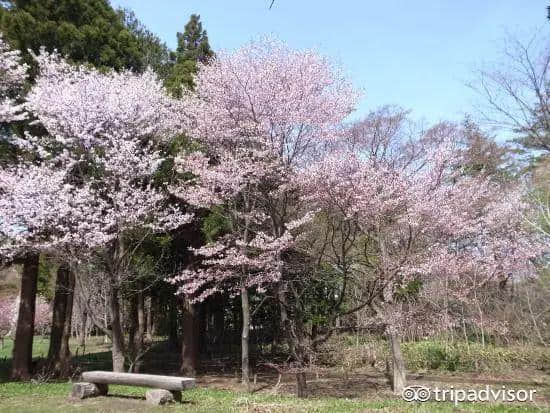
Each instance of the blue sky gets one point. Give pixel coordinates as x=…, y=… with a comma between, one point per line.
x=417, y=54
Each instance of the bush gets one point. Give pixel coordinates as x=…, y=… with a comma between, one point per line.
x=433, y=355
x=350, y=352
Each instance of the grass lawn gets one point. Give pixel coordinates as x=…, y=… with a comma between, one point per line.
x=53, y=396
x=40, y=347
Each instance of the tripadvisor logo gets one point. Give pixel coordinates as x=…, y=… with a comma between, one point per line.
x=488, y=394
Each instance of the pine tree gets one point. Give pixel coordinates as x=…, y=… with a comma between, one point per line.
x=193, y=42
x=87, y=31
x=154, y=52
x=193, y=47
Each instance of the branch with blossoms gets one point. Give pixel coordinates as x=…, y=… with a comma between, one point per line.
x=94, y=185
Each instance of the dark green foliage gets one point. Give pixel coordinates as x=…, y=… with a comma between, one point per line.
x=437, y=358
x=321, y=295
x=8, y=153
x=409, y=291
x=214, y=224
x=88, y=31
x=193, y=47
x=181, y=75
x=46, y=278
x=193, y=42
x=154, y=52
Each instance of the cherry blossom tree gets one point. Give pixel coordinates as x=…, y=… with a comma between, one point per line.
x=12, y=78
x=407, y=224
x=13, y=74
x=95, y=180
x=260, y=113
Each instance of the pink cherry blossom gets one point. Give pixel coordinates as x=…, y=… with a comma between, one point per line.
x=12, y=76
x=259, y=113
x=108, y=127
x=424, y=220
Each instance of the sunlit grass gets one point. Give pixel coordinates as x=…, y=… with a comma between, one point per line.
x=52, y=397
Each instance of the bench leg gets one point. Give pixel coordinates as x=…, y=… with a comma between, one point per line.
x=103, y=388
x=177, y=396
x=84, y=390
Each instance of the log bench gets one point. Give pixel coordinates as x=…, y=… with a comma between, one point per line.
x=167, y=388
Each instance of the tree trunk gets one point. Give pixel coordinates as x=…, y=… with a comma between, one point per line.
x=83, y=329
x=301, y=384
x=136, y=332
x=150, y=319
x=237, y=311
x=173, y=305
x=219, y=323
x=106, y=311
x=22, y=347
x=59, y=353
x=65, y=352
x=190, y=342
x=132, y=333
x=140, y=339
x=398, y=374
x=117, y=347
x=58, y=317
x=201, y=315
x=244, y=337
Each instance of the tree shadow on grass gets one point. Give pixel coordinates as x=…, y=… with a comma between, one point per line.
x=5, y=367
x=92, y=361
x=125, y=396
x=160, y=359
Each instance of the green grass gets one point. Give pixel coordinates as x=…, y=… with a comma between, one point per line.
x=39, y=348
x=459, y=356
x=41, y=344
x=52, y=397
x=437, y=355
x=97, y=354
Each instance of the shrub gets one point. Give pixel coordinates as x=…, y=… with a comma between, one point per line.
x=350, y=352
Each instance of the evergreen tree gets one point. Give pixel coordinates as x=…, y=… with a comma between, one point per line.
x=193, y=42
x=193, y=47
x=155, y=53
x=88, y=31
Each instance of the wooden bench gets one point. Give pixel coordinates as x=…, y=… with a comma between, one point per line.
x=96, y=383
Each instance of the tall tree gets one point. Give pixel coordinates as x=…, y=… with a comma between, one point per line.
x=12, y=76
x=87, y=31
x=193, y=42
x=100, y=186
x=193, y=47
x=24, y=331
x=261, y=112
x=59, y=353
x=154, y=52
x=401, y=226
